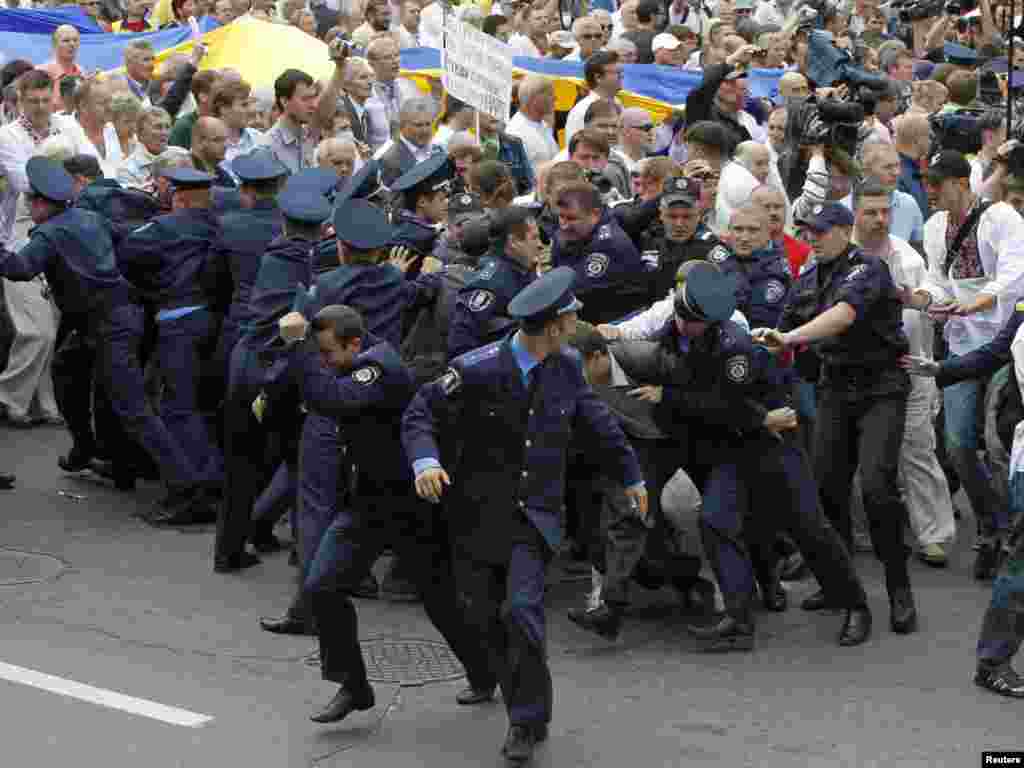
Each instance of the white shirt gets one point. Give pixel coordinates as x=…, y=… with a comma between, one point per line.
x=574, y=120
x=137, y=169
x=1001, y=250
x=978, y=167
x=432, y=26
x=407, y=39
x=734, y=190
x=521, y=46
x=908, y=269
x=649, y=322
x=1017, y=451
x=116, y=154
x=767, y=12
x=536, y=137
x=71, y=128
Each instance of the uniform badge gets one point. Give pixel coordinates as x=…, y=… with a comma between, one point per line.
x=737, y=368
x=650, y=259
x=597, y=265
x=488, y=271
x=856, y=272
x=718, y=254
x=725, y=338
x=450, y=381
x=143, y=228
x=465, y=200
x=604, y=232
x=480, y=300
x=366, y=375
x=774, y=291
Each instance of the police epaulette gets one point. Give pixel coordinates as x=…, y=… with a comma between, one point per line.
x=481, y=354
x=1019, y=306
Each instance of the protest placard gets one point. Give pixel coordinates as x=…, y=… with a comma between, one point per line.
x=476, y=68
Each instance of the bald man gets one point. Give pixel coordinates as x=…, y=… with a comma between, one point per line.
x=589, y=37
x=338, y=154
x=750, y=168
x=209, y=143
x=637, y=135
x=912, y=138
x=793, y=85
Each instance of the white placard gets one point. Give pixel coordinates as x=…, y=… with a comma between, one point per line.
x=476, y=68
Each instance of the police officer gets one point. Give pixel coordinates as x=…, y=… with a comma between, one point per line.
x=463, y=208
x=514, y=405
x=167, y=260
x=681, y=238
x=760, y=269
x=734, y=403
x=245, y=234
x=73, y=248
x=421, y=194
x=847, y=307
x=365, y=388
x=610, y=273
x=249, y=413
x=481, y=311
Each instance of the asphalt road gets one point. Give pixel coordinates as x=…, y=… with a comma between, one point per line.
x=130, y=610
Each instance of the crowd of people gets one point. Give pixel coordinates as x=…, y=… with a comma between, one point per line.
x=748, y=340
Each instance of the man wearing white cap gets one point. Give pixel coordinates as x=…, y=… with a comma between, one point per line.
x=664, y=47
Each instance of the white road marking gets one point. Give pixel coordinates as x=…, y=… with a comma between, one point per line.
x=102, y=696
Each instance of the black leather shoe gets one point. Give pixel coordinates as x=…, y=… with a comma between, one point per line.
x=6, y=481
x=856, y=626
x=75, y=461
x=903, y=614
x=264, y=541
x=699, y=598
x=367, y=589
x=602, y=620
x=773, y=596
x=237, y=562
x=519, y=744
x=726, y=634
x=470, y=696
x=987, y=562
x=1002, y=680
x=794, y=568
x=287, y=625
x=342, y=705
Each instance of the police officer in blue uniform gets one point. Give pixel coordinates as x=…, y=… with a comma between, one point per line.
x=168, y=260
x=250, y=415
x=481, y=310
x=513, y=406
x=760, y=268
x=73, y=248
x=734, y=403
x=366, y=185
x=612, y=278
x=359, y=382
x=244, y=237
x=421, y=194
x=848, y=309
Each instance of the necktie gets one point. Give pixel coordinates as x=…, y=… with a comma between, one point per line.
x=364, y=123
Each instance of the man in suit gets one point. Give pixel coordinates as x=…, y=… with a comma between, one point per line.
x=415, y=127
x=514, y=405
x=352, y=90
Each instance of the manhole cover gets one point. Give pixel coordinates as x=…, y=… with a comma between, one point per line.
x=19, y=567
x=410, y=662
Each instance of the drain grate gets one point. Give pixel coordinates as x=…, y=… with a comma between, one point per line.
x=18, y=567
x=406, y=661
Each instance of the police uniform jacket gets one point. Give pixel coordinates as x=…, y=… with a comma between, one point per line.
x=283, y=268
x=512, y=443
x=866, y=356
x=763, y=282
x=481, y=311
x=425, y=346
x=167, y=258
x=671, y=254
x=124, y=209
x=368, y=402
x=75, y=251
x=244, y=237
x=419, y=235
x=611, y=277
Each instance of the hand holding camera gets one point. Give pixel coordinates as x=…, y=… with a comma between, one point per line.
x=339, y=50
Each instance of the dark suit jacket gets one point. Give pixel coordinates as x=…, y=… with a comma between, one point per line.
x=358, y=132
x=396, y=161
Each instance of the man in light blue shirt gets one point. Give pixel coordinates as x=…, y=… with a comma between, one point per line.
x=882, y=162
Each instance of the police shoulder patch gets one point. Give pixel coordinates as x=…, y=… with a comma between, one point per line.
x=487, y=271
x=479, y=300
x=365, y=375
x=596, y=264
x=856, y=272
x=450, y=381
x=1019, y=307
x=604, y=232
x=143, y=228
x=718, y=254
x=774, y=291
x=737, y=368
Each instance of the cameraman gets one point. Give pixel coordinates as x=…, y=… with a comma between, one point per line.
x=721, y=97
x=590, y=150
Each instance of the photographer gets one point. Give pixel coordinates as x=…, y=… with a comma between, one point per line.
x=591, y=150
x=721, y=97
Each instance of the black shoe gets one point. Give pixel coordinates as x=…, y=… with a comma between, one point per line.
x=816, y=602
x=237, y=562
x=794, y=568
x=856, y=626
x=726, y=634
x=602, y=620
x=469, y=696
x=287, y=625
x=1002, y=680
x=75, y=461
x=264, y=541
x=519, y=744
x=699, y=598
x=342, y=705
x=987, y=562
x=903, y=614
x=368, y=588
x=185, y=507
x=773, y=596
x=648, y=575
x=6, y=481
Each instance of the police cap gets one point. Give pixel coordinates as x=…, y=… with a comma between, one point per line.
x=361, y=225
x=257, y=166
x=706, y=295
x=960, y=55
x=831, y=215
x=188, y=178
x=547, y=297
x=323, y=180
x=302, y=201
x=49, y=179
x=680, y=190
x=433, y=173
x=464, y=206
x=948, y=164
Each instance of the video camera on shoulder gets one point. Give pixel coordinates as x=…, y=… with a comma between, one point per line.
x=919, y=10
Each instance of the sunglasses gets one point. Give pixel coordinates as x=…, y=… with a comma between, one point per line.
x=644, y=127
x=591, y=37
